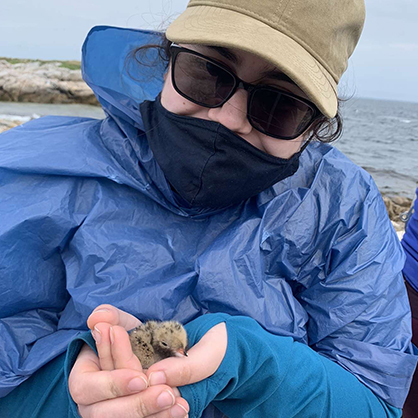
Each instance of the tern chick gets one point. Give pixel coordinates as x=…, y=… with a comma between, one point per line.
x=155, y=341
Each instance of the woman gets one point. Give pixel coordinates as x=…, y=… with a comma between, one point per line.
x=210, y=204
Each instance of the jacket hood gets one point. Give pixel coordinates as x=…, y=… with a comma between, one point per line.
x=110, y=69
x=121, y=84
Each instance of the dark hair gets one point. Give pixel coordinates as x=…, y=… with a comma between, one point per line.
x=323, y=129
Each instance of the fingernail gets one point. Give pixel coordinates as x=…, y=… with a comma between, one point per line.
x=112, y=337
x=157, y=378
x=165, y=399
x=101, y=310
x=137, y=384
x=97, y=335
x=178, y=411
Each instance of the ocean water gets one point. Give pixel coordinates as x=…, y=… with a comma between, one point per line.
x=380, y=136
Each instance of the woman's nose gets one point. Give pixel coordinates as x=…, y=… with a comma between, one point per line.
x=233, y=114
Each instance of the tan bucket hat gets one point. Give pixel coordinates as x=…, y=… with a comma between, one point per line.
x=309, y=40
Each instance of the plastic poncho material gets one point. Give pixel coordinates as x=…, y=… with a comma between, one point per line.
x=410, y=245
x=87, y=217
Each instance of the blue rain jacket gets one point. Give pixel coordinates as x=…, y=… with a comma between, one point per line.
x=410, y=245
x=87, y=217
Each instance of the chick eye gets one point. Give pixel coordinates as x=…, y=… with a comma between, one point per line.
x=164, y=344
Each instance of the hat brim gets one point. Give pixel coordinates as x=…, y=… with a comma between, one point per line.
x=215, y=26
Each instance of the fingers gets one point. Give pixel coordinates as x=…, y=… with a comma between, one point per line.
x=179, y=410
x=120, y=392
x=113, y=316
x=157, y=401
x=114, y=348
x=88, y=384
x=101, y=335
x=123, y=357
x=203, y=360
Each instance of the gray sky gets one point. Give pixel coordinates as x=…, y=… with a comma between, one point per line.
x=385, y=64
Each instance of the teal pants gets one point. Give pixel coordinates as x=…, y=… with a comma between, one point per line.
x=247, y=384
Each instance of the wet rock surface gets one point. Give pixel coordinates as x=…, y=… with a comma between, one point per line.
x=8, y=124
x=396, y=206
x=43, y=83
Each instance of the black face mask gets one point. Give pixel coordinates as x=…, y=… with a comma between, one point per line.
x=208, y=165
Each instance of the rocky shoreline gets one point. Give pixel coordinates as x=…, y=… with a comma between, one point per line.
x=9, y=122
x=43, y=82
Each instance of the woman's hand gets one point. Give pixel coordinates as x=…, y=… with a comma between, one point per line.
x=203, y=359
x=113, y=383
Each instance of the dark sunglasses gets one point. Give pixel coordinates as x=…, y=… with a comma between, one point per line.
x=208, y=83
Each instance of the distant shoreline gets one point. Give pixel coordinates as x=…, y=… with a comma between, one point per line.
x=348, y=99
x=70, y=64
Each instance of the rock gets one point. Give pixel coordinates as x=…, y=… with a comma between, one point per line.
x=399, y=226
x=396, y=206
x=8, y=124
x=400, y=234
x=402, y=201
x=43, y=83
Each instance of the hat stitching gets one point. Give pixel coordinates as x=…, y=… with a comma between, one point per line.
x=331, y=84
x=323, y=88
x=284, y=9
x=234, y=8
x=309, y=49
x=292, y=8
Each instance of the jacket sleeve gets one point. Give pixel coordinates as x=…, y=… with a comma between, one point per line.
x=37, y=218
x=359, y=314
x=266, y=375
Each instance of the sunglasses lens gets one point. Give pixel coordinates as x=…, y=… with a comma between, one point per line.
x=200, y=80
x=279, y=115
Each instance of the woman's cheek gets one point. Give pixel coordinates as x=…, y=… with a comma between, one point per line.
x=183, y=107
x=281, y=148
x=175, y=103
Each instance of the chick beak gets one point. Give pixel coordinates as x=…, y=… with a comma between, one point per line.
x=181, y=353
